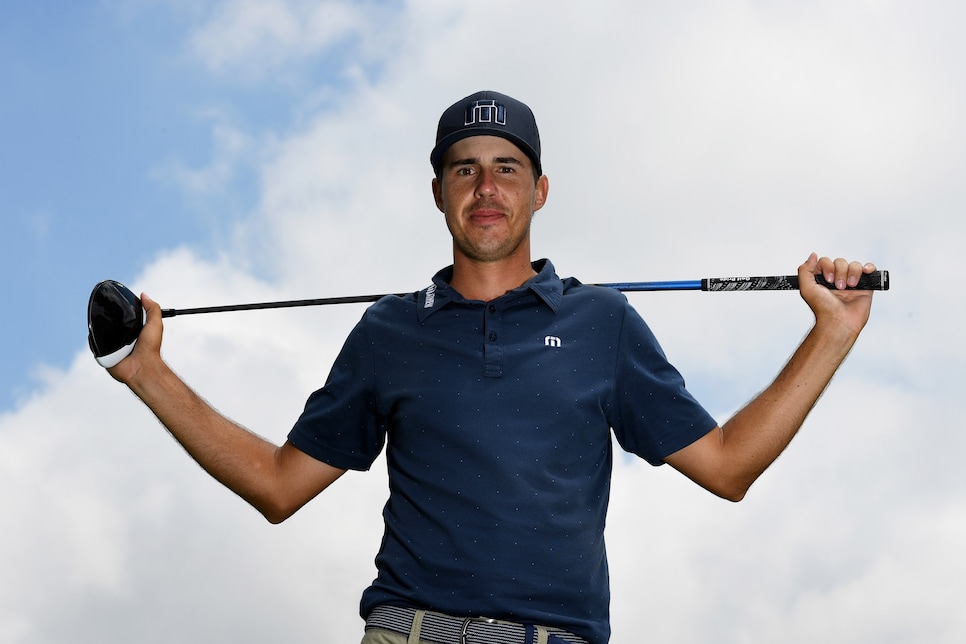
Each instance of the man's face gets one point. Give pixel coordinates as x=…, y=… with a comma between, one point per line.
x=487, y=192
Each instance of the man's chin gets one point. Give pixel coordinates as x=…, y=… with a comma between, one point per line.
x=490, y=251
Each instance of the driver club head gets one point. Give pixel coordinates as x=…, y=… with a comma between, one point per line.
x=114, y=321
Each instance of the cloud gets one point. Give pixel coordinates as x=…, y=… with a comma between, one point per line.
x=252, y=40
x=681, y=142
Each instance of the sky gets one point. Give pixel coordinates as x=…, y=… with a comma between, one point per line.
x=231, y=151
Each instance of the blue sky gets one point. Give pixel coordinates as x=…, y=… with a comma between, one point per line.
x=246, y=150
x=103, y=109
x=93, y=103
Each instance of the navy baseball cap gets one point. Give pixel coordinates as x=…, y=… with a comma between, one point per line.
x=488, y=114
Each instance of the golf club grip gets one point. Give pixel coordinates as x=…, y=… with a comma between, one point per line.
x=874, y=281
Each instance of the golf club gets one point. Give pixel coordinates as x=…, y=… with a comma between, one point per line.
x=115, y=315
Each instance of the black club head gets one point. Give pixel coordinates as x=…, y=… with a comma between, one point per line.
x=114, y=321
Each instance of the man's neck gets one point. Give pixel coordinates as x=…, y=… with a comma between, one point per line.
x=489, y=280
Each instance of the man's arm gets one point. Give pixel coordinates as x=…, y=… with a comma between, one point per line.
x=275, y=480
x=730, y=458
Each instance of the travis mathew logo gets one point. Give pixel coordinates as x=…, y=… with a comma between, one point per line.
x=486, y=111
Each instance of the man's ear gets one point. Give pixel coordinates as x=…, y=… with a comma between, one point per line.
x=438, y=194
x=540, y=192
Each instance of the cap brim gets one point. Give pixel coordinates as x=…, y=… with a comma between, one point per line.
x=436, y=156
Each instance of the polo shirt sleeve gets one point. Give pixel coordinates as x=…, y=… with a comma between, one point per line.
x=340, y=424
x=655, y=414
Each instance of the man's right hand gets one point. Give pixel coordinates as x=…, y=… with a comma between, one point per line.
x=148, y=346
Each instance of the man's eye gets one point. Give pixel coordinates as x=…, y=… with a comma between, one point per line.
x=464, y=171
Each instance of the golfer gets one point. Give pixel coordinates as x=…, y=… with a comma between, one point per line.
x=494, y=392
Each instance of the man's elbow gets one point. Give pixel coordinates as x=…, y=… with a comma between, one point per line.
x=723, y=483
x=277, y=514
x=275, y=520
x=734, y=495
x=731, y=489
x=275, y=510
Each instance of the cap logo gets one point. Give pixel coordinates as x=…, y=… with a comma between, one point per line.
x=487, y=111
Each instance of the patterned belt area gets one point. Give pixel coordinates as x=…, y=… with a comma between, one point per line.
x=446, y=629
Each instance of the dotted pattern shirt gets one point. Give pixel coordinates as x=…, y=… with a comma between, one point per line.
x=496, y=418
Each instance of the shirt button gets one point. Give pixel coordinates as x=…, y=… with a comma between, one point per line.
x=492, y=308
x=492, y=336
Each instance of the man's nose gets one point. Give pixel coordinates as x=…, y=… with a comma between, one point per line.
x=486, y=184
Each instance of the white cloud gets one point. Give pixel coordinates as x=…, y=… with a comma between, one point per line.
x=681, y=142
x=252, y=39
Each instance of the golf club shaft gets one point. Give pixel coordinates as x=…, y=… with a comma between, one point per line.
x=351, y=299
x=876, y=281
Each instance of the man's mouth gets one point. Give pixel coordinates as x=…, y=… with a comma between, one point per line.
x=485, y=213
x=484, y=217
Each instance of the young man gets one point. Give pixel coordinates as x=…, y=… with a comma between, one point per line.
x=497, y=388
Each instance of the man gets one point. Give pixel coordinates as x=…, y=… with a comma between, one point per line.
x=497, y=388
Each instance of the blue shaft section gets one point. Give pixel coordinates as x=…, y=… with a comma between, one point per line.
x=676, y=285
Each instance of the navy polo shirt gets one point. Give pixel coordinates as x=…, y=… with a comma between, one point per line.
x=497, y=419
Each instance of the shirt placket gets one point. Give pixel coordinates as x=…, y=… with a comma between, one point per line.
x=492, y=341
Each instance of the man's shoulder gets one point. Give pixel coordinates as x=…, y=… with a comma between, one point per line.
x=394, y=305
x=580, y=293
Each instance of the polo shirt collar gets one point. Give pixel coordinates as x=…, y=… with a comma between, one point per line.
x=545, y=285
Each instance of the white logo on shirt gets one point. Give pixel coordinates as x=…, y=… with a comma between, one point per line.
x=551, y=341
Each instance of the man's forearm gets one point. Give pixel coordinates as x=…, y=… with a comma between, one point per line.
x=758, y=433
x=239, y=459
